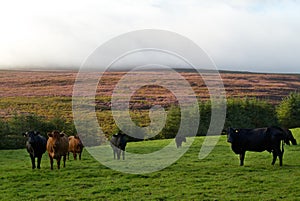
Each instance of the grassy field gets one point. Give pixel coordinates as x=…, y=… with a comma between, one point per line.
x=217, y=177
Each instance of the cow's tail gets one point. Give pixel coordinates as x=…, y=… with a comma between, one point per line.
x=282, y=146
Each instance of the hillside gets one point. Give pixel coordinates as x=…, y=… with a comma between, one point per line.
x=271, y=87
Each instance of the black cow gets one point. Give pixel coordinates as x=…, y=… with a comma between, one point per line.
x=179, y=140
x=258, y=140
x=36, y=147
x=118, y=143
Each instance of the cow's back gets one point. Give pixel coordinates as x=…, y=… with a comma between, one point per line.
x=251, y=139
x=258, y=139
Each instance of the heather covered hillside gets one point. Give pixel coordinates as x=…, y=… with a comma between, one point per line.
x=270, y=87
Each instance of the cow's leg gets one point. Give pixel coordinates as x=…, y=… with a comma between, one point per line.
x=114, y=153
x=242, y=157
x=118, y=153
x=68, y=155
x=123, y=154
x=58, y=162
x=39, y=158
x=75, y=155
x=280, y=154
x=274, y=157
x=32, y=161
x=276, y=153
x=51, y=162
x=280, y=158
x=79, y=155
x=65, y=158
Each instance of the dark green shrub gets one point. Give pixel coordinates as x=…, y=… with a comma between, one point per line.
x=288, y=111
x=11, y=129
x=250, y=113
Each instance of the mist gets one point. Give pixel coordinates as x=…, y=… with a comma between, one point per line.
x=260, y=36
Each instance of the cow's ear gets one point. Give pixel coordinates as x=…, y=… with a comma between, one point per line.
x=61, y=134
x=230, y=130
x=24, y=134
x=50, y=134
x=36, y=133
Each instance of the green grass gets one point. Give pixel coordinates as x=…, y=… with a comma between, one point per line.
x=217, y=177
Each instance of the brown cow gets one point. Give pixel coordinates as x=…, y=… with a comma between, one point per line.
x=75, y=146
x=57, y=147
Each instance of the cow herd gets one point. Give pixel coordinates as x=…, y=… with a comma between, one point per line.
x=59, y=145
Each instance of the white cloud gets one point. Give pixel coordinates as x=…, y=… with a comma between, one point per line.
x=238, y=35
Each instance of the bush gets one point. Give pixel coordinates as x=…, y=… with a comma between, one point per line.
x=288, y=111
x=172, y=124
x=250, y=113
x=241, y=113
x=11, y=130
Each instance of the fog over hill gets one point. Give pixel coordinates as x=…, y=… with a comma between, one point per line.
x=254, y=36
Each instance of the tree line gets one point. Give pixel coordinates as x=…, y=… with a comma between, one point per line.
x=241, y=113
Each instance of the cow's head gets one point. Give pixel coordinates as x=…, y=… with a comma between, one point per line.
x=31, y=136
x=290, y=137
x=232, y=134
x=55, y=135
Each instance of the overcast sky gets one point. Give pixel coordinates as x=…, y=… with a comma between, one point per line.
x=242, y=35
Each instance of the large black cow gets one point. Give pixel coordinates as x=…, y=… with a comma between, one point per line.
x=36, y=147
x=118, y=143
x=258, y=140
